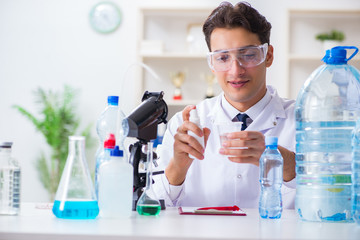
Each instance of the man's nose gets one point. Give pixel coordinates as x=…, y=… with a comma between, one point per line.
x=236, y=67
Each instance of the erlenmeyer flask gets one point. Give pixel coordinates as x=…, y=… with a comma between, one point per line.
x=148, y=204
x=75, y=197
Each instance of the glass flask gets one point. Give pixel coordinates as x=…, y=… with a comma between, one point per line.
x=75, y=197
x=148, y=204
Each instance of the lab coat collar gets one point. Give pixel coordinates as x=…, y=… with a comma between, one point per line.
x=267, y=119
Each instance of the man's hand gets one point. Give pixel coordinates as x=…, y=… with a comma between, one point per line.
x=183, y=146
x=253, y=145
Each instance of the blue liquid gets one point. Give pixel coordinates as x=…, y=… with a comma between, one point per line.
x=76, y=209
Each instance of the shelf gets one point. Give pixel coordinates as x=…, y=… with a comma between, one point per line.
x=182, y=102
x=170, y=41
x=298, y=57
x=305, y=52
x=169, y=12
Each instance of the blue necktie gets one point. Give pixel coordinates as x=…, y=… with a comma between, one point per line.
x=242, y=118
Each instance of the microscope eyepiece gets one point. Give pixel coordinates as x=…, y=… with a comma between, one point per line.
x=142, y=121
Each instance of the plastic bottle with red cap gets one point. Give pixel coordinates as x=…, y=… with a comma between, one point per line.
x=104, y=156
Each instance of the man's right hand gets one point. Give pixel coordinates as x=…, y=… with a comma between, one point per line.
x=183, y=146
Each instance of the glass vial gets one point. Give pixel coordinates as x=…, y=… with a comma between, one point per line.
x=75, y=197
x=9, y=181
x=148, y=204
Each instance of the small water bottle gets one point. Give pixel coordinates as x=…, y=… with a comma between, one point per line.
x=194, y=118
x=355, y=177
x=9, y=181
x=326, y=111
x=116, y=186
x=271, y=178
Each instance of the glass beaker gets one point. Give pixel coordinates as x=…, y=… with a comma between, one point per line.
x=75, y=197
x=148, y=204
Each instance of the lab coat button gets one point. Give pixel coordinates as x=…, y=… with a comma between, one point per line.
x=239, y=176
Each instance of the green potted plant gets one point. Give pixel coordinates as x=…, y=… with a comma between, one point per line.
x=331, y=39
x=57, y=121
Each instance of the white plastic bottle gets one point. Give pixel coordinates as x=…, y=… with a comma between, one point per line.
x=107, y=125
x=9, y=181
x=194, y=118
x=104, y=156
x=115, y=186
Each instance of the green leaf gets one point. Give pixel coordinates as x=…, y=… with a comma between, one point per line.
x=57, y=120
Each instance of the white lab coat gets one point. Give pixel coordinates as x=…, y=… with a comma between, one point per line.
x=216, y=181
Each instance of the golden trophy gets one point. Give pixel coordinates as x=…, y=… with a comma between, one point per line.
x=177, y=79
x=210, y=80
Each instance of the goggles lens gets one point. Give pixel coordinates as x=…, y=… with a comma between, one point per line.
x=247, y=57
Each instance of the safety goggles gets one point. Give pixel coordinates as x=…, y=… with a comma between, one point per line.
x=221, y=61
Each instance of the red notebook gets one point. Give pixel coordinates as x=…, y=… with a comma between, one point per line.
x=220, y=211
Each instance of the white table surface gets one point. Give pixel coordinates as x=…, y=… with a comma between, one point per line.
x=36, y=221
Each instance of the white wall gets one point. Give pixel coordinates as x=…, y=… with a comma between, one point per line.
x=47, y=43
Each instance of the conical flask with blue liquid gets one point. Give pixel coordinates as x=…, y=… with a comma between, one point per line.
x=75, y=197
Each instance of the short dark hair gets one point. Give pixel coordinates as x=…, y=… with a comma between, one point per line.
x=241, y=15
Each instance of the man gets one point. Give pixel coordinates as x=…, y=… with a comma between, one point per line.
x=238, y=38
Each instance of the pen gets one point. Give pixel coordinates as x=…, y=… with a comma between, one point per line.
x=227, y=208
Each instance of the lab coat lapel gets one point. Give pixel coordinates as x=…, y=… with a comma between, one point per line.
x=269, y=117
x=217, y=114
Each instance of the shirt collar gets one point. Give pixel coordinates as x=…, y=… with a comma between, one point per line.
x=252, y=112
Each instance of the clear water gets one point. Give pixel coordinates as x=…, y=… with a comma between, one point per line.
x=271, y=178
x=148, y=209
x=355, y=197
x=76, y=209
x=9, y=190
x=323, y=170
x=270, y=203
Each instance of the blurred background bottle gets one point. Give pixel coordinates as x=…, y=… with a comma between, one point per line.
x=271, y=178
x=355, y=177
x=9, y=181
x=116, y=186
x=325, y=111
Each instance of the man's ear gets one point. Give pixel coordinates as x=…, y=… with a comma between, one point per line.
x=269, y=56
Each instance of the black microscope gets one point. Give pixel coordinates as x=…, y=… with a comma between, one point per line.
x=142, y=123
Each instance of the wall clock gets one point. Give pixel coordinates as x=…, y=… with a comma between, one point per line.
x=105, y=17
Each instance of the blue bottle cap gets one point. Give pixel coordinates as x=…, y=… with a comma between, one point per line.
x=270, y=140
x=113, y=100
x=116, y=152
x=337, y=55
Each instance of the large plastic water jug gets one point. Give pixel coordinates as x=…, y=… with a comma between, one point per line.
x=326, y=111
